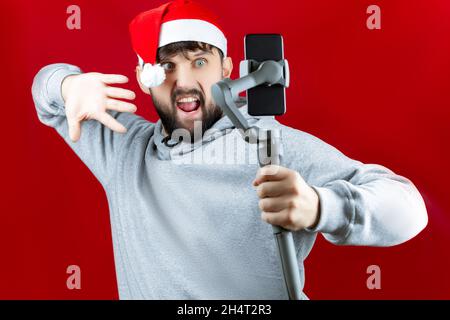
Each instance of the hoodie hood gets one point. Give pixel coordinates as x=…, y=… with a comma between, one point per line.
x=167, y=147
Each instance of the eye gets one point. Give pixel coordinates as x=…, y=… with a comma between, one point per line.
x=200, y=62
x=168, y=66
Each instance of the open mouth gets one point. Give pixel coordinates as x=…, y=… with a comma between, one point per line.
x=188, y=103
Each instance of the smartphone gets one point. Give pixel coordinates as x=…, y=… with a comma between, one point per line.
x=265, y=100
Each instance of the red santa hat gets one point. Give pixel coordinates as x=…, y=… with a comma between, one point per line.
x=180, y=20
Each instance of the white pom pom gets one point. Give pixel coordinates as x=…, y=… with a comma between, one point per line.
x=152, y=75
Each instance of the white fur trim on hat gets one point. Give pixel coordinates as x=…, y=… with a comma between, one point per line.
x=152, y=75
x=192, y=30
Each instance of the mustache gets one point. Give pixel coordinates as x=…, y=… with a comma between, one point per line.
x=194, y=92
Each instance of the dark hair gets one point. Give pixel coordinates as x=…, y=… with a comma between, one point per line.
x=184, y=47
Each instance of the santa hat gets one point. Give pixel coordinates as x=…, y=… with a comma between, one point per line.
x=180, y=20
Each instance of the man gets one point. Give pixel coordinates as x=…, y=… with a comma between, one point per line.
x=189, y=230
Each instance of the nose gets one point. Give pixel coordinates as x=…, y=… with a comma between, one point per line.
x=185, y=77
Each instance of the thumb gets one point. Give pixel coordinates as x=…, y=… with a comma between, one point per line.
x=74, y=129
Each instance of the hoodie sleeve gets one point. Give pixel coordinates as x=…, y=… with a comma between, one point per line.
x=360, y=204
x=98, y=147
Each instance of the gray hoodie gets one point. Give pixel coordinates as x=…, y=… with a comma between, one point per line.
x=189, y=229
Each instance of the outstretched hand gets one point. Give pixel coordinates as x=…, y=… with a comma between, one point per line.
x=87, y=97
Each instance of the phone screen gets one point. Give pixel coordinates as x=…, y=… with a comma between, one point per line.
x=264, y=100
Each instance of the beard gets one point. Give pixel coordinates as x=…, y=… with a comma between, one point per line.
x=169, y=116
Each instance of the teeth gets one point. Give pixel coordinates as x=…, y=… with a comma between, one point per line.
x=187, y=100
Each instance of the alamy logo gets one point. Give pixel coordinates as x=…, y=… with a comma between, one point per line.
x=225, y=147
x=374, y=280
x=374, y=20
x=74, y=280
x=73, y=21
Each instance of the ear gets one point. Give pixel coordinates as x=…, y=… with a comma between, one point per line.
x=227, y=67
x=138, y=78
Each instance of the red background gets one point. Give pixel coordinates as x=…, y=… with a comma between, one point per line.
x=380, y=96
